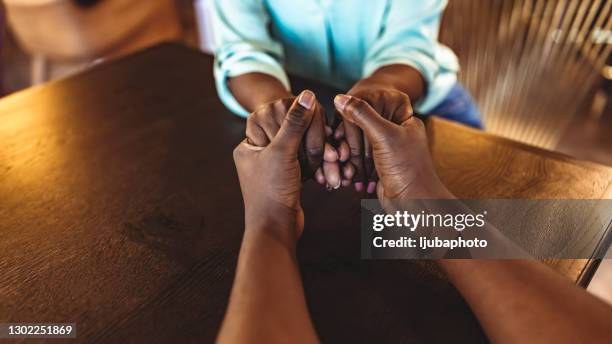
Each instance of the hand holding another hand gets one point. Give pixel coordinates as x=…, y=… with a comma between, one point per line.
x=269, y=169
x=270, y=174
x=389, y=103
x=400, y=151
x=318, y=158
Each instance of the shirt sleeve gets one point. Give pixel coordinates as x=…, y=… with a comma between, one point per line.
x=243, y=44
x=409, y=36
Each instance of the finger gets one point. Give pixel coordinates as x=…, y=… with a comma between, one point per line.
x=255, y=134
x=284, y=105
x=403, y=112
x=270, y=126
x=245, y=146
x=359, y=186
x=331, y=155
x=380, y=190
x=295, y=124
x=348, y=171
x=344, y=152
x=271, y=117
x=374, y=176
x=357, y=111
x=279, y=112
x=315, y=139
x=331, y=171
x=319, y=177
x=339, y=133
x=368, y=159
x=378, y=103
x=243, y=149
x=355, y=142
x=371, y=187
x=328, y=131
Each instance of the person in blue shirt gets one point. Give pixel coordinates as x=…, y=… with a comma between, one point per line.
x=385, y=52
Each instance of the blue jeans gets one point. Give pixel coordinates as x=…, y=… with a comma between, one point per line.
x=459, y=106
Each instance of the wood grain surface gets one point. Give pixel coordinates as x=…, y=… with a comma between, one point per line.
x=120, y=211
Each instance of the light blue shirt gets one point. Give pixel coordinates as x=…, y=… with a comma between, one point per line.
x=338, y=42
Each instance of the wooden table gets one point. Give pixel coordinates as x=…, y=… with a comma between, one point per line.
x=120, y=211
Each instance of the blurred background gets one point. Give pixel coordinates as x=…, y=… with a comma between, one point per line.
x=540, y=70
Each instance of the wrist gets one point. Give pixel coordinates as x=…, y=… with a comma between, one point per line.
x=372, y=82
x=398, y=77
x=267, y=98
x=267, y=89
x=279, y=225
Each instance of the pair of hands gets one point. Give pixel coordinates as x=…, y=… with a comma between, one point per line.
x=270, y=173
x=339, y=157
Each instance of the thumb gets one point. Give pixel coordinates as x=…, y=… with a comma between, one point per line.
x=296, y=122
x=358, y=111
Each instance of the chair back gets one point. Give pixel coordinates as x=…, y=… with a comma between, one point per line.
x=531, y=65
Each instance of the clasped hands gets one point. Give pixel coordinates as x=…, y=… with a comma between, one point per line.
x=339, y=157
x=270, y=171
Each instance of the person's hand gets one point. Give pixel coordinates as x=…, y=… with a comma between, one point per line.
x=391, y=104
x=317, y=158
x=400, y=151
x=270, y=176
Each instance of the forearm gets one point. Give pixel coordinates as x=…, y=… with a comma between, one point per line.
x=403, y=78
x=267, y=303
x=253, y=90
x=525, y=301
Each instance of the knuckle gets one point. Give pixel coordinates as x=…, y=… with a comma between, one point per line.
x=403, y=97
x=256, y=118
x=419, y=123
x=414, y=124
x=237, y=153
x=252, y=119
x=265, y=111
x=250, y=134
x=268, y=107
x=262, y=110
x=268, y=121
x=358, y=106
x=279, y=106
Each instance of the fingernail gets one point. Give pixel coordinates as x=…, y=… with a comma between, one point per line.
x=371, y=187
x=341, y=100
x=346, y=182
x=307, y=99
x=359, y=186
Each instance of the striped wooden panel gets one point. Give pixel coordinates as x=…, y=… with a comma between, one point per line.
x=530, y=64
